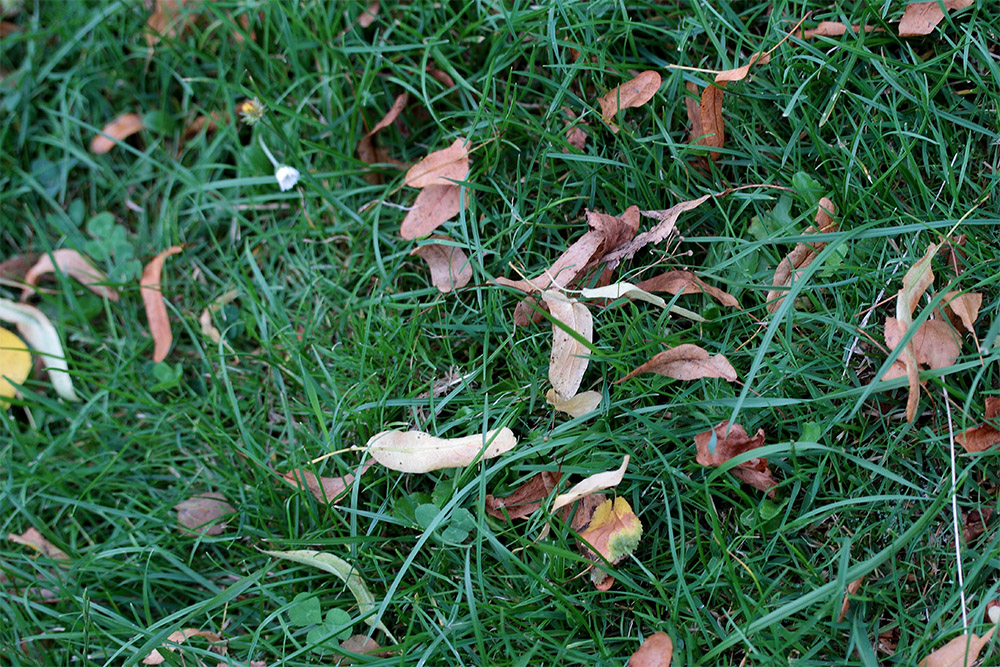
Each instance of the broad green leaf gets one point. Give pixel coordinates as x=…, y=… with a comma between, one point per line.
x=306, y=611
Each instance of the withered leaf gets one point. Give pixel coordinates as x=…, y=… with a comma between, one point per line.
x=754, y=472
x=117, y=130
x=576, y=137
x=801, y=256
x=974, y=523
x=569, y=357
x=632, y=93
x=416, y=451
x=852, y=589
x=916, y=281
x=934, y=345
x=686, y=362
x=570, y=264
x=15, y=268
x=73, y=264
x=449, y=265
x=614, y=533
x=576, y=406
x=169, y=19
x=656, y=651
x=962, y=651
x=619, y=290
x=692, y=104
x=362, y=645
x=965, y=307
x=981, y=438
x=711, y=127
x=834, y=29
x=441, y=77
x=686, y=282
x=156, y=310
x=368, y=17
x=34, y=539
x=435, y=205
x=37, y=330
x=179, y=637
x=397, y=108
x=441, y=167
x=596, y=482
x=199, y=515
x=667, y=224
x=920, y=18
x=526, y=499
x=325, y=489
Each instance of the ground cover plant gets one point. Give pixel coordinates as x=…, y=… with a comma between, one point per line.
x=499, y=333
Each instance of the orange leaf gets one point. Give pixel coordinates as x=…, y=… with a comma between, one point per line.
x=199, y=514
x=962, y=651
x=441, y=167
x=525, y=499
x=754, y=472
x=801, y=256
x=117, y=130
x=449, y=265
x=633, y=93
x=920, y=18
x=981, y=438
x=852, y=589
x=685, y=282
x=435, y=205
x=156, y=310
x=73, y=264
x=614, y=533
x=686, y=362
x=656, y=651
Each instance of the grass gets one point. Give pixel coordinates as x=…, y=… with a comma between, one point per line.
x=336, y=333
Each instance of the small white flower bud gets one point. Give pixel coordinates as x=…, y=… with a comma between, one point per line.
x=287, y=177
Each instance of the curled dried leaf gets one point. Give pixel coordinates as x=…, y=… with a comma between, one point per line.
x=723, y=442
x=852, y=589
x=449, y=265
x=916, y=281
x=416, y=451
x=441, y=167
x=117, y=130
x=156, y=310
x=623, y=289
x=633, y=93
x=593, y=484
x=965, y=307
x=666, y=226
x=686, y=282
x=686, y=362
x=920, y=18
x=73, y=264
x=434, y=206
x=368, y=17
x=570, y=357
x=397, y=108
x=526, y=499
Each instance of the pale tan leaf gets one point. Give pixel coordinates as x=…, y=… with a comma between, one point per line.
x=570, y=357
x=920, y=18
x=362, y=645
x=156, y=309
x=730, y=441
x=801, y=256
x=200, y=514
x=934, y=344
x=435, y=205
x=576, y=137
x=965, y=307
x=179, y=637
x=416, y=451
x=740, y=73
x=633, y=93
x=441, y=167
x=117, y=130
x=565, y=269
x=981, y=438
x=449, y=265
x=962, y=651
x=834, y=29
x=622, y=289
x=590, y=485
x=686, y=282
x=325, y=489
x=369, y=15
x=74, y=265
x=208, y=329
x=576, y=406
x=34, y=539
x=36, y=329
x=916, y=281
x=686, y=362
x=526, y=499
x=656, y=651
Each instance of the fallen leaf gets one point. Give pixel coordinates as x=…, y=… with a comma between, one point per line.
x=325, y=489
x=441, y=77
x=593, y=484
x=623, y=289
x=167, y=20
x=962, y=651
x=935, y=345
x=920, y=18
x=570, y=357
x=576, y=137
x=15, y=268
x=576, y=406
x=834, y=29
x=852, y=589
x=656, y=651
x=416, y=451
x=981, y=438
x=15, y=365
x=156, y=310
x=179, y=637
x=397, y=107
x=916, y=281
x=434, y=206
x=525, y=499
x=614, y=533
x=974, y=523
x=34, y=539
x=117, y=130
x=441, y=167
x=711, y=127
x=692, y=104
x=578, y=515
x=73, y=264
x=792, y=266
x=369, y=15
x=208, y=329
x=346, y=573
x=686, y=362
x=41, y=336
x=362, y=645
x=199, y=515
x=685, y=282
x=633, y=93
x=754, y=472
x=8, y=28
x=449, y=265
x=965, y=307
x=666, y=226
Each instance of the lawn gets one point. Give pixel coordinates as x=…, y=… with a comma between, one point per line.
x=303, y=326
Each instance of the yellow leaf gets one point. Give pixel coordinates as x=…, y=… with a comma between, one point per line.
x=15, y=360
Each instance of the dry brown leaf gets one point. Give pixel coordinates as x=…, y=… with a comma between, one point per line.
x=441, y=77
x=920, y=18
x=740, y=73
x=834, y=29
x=656, y=651
x=570, y=357
x=614, y=532
x=361, y=645
x=179, y=637
x=981, y=438
x=754, y=472
x=801, y=256
x=325, y=489
x=369, y=15
x=965, y=307
x=441, y=167
x=416, y=451
x=934, y=344
x=156, y=310
x=667, y=224
x=596, y=482
x=692, y=103
x=974, y=523
x=34, y=539
x=117, y=130
x=633, y=93
x=449, y=265
x=167, y=20
x=576, y=137
x=576, y=406
x=686, y=362
x=525, y=499
x=962, y=651
x=15, y=268
x=7, y=28
x=916, y=281
x=199, y=514
x=709, y=130
x=73, y=264
x=435, y=205
x=852, y=589
x=397, y=108
x=686, y=282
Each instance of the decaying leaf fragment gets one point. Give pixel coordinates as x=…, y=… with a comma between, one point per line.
x=974, y=523
x=156, y=310
x=593, y=484
x=34, y=539
x=723, y=442
x=920, y=18
x=167, y=20
x=935, y=345
x=710, y=125
x=526, y=499
x=15, y=365
x=74, y=265
x=367, y=151
x=434, y=206
x=576, y=406
x=834, y=29
x=801, y=256
x=179, y=637
x=633, y=93
x=656, y=651
x=962, y=651
x=368, y=17
x=570, y=357
x=614, y=533
x=852, y=589
x=964, y=307
x=666, y=226
x=686, y=282
x=38, y=332
x=981, y=438
x=622, y=289
x=199, y=515
x=686, y=362
x=441, y=167
x=915, y=283
x=449, y=265
x=325, y=489
x=117, y=130
x=416, y=451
